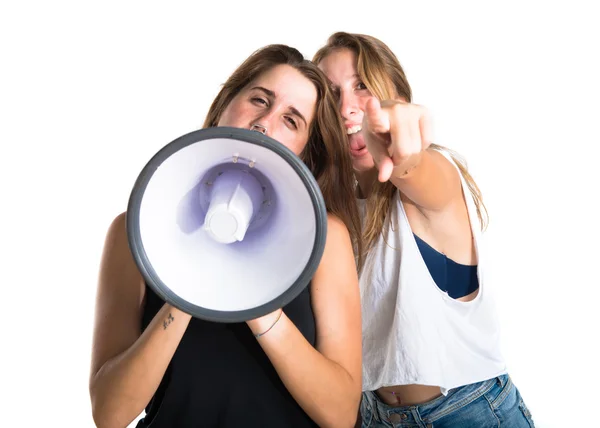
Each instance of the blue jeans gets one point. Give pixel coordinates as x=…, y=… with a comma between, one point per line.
x=492, y=403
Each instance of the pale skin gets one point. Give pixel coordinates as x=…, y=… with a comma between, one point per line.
x=128, y=365
x=393, y=144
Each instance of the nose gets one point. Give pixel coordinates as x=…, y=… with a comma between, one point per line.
x=266, y=121
x=348, y=105
x=259, y=128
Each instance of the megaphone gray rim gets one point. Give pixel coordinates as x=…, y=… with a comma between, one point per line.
x=145, y=266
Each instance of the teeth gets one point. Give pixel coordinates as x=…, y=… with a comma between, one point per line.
x=354, y=129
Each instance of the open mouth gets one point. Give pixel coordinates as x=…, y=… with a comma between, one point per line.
x=358, y=148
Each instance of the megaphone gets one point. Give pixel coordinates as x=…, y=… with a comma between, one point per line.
x=226, y=224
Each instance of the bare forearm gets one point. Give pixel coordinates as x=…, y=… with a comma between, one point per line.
x=125, y=384
x=427, y=179
x=323, y=388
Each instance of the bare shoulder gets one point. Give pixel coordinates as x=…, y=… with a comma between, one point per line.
x=117, y=257
x=117, y=230
x=337, y=232
x=116, y=235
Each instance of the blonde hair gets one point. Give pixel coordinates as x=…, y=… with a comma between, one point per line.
x=381, y=72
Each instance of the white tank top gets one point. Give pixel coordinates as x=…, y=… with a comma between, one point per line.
x=414, y=333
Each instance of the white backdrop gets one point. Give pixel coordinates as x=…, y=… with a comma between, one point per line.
x=89, y=91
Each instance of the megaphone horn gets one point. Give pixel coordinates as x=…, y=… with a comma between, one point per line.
x=226, y=224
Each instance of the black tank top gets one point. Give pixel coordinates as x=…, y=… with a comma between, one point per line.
x=219, y=376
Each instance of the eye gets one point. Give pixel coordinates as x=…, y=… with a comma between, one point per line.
x=292, y=122
x=258, y=100
x=361, y=86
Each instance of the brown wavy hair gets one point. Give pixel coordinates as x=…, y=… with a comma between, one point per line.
x=326, y=155
x=381, y=72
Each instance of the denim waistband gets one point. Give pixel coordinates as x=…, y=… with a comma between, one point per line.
x=435, y=409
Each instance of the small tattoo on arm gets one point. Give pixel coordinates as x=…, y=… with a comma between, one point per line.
x=409, y=169
x=168, y=321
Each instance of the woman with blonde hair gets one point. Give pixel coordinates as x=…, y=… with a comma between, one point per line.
x=431, y=354
x=299, y=366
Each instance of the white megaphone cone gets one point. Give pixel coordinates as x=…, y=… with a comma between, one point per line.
x=226, y=224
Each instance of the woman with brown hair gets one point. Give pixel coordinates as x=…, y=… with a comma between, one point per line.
x=299, y=366
x=431, y=354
